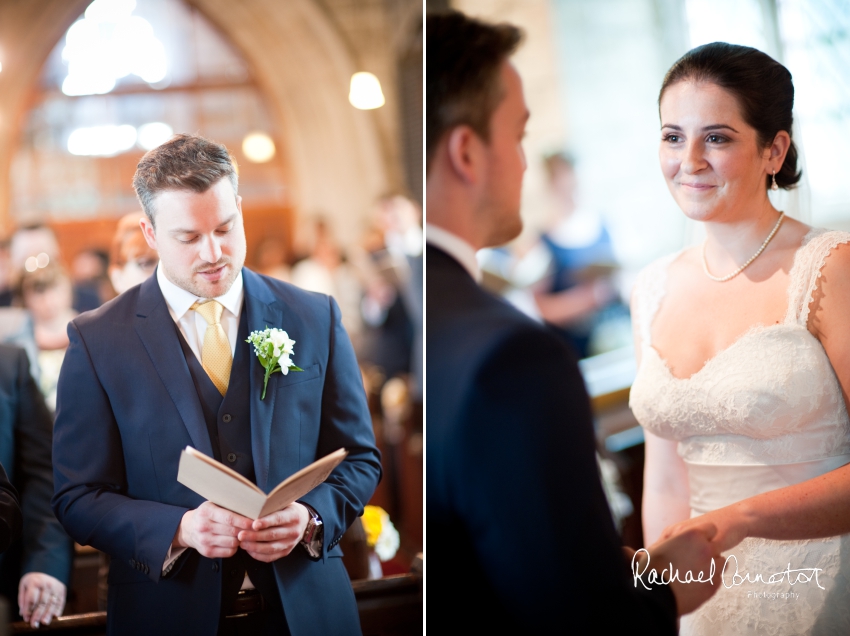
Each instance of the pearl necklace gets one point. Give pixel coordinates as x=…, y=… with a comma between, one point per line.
x=723, y=279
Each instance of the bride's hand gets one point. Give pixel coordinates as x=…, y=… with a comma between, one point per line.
x=732, y=525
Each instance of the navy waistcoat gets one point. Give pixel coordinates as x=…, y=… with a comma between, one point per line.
x=228, y=420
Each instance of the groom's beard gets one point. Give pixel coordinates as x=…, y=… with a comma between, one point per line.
x=196, y=283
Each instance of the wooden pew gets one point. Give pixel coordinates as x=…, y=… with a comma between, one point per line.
x=391, y=606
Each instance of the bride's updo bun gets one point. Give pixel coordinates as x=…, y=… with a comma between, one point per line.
x=761, y=85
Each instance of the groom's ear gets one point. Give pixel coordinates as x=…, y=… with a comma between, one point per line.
x=149, y=232
x=466, y=154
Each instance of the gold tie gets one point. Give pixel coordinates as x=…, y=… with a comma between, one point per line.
x=216, y=356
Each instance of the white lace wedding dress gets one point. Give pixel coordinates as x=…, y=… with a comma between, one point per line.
x=764, y=413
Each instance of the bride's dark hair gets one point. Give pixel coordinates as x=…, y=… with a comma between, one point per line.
x=761, y=85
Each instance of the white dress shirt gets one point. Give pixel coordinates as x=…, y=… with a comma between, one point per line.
x=192, y=325
x=455, y=247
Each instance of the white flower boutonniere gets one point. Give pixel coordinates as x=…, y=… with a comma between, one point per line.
x=273, y=348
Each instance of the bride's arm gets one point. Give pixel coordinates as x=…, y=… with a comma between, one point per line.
x=818, y=507
x=665, y=487
x=666, y=495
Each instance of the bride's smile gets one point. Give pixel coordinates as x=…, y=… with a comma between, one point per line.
x=711, y=158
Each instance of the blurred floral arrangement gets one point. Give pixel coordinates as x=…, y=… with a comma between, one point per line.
x=381, y=534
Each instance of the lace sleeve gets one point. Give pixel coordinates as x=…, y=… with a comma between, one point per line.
x=806, y=270
x=648, y=291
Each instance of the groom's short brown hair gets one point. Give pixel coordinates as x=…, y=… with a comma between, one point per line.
x=464, y=57
x=184, y=162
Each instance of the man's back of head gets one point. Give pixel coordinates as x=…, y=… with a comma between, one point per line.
x=475, y=119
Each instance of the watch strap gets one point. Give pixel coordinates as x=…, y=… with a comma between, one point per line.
x=313, y=534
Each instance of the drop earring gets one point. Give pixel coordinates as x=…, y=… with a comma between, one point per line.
x=773, y=185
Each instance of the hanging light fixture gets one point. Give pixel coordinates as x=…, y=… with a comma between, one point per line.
x=101, y=141
x=109, y=43
x=258, y=147
x=365, y=92
x=153, y=134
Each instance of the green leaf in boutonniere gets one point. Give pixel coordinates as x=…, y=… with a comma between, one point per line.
x=273, y=348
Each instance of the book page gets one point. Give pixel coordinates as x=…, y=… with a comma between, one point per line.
x=302, y=482
x=226, y=488
x=219, y=484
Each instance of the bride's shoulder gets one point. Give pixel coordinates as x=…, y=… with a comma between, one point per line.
x=814, y=235
x=823, y=247
x=661, y=266
x=650, y=282
x=825, y=286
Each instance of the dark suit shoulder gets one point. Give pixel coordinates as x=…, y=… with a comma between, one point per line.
x=106, y=330
x=287, y=293
x=12, y=361
x=122, y=307
x=451, y=289
x=466, y=321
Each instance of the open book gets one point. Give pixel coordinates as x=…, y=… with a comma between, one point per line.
x=226, y=488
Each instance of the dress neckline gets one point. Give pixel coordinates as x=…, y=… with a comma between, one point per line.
x=756, y=328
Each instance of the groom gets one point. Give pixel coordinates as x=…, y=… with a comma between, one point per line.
x=520, y=537
x=166, y=365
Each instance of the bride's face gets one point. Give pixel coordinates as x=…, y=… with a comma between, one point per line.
x=710, y=157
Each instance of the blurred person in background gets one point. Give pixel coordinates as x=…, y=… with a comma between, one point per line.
x=35, y=246
x=89, y=276
x=16, y=325
x=32, y=241
x=131, y=260
x=7, y=292
x=400, y=221
x=578, y=294
x=36, y=569
x=47, y=294
x=10, y=513
x=327, y=271
x=392, y=303
x=272, y=259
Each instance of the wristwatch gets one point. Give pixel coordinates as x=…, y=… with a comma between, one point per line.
x=313, y=534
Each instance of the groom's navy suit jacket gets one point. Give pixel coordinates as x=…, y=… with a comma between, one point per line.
x=520, y=536
x=127, y=406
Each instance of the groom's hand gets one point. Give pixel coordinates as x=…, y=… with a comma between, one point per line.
x=211, y=530
x=692, y=550
x=732, y=523
x=275, y=535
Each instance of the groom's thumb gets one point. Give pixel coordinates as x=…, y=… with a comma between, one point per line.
x=709, y=531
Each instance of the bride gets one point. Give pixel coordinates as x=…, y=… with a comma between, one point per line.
x=744, y=358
